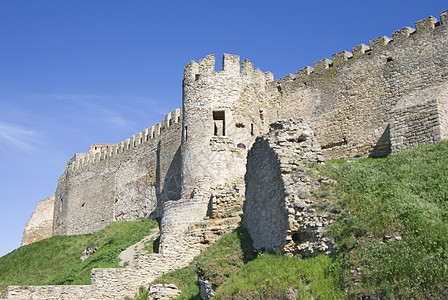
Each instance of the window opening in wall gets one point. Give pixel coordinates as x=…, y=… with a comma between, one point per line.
x=96, y=148
x=251, y=128
x=219, y=123
x=153, y=134
x=186, y=133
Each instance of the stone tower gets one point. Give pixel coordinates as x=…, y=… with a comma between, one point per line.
x=222, y=115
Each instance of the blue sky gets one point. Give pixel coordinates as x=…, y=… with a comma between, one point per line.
x=75, y=73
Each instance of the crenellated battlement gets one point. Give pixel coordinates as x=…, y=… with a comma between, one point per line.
x=100, y=152
x=230, y=65
x=378, y=44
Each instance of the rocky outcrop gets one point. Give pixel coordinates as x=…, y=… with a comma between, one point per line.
x=40, y=224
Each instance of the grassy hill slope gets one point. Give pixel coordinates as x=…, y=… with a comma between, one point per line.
x=57, y=260
x=393, y=232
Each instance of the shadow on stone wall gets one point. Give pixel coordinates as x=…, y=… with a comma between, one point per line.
x=171, y=188
x=383, y=146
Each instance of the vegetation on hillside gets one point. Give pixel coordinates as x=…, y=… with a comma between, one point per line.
x=392, y=236
x=57, y=260
x=240, y=272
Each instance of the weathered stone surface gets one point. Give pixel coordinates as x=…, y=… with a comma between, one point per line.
x=87, y=252
x=206, y=289
x=40, y=224
x=163, y=291
x=278, y=212
x=419, y=118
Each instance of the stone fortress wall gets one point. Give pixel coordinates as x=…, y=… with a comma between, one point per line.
x=190, y=170
x=124, y=181
x=349, y=102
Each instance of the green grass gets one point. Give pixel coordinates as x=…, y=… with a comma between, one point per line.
x=403, y=195
x=275, y=276
x=185, y=279
x=219, y=262
x=57, y=260
x=225, y=257
x=232, y=264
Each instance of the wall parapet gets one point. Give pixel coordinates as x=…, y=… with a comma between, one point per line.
x=100, y=152
x=376, y=45
x=230, y=65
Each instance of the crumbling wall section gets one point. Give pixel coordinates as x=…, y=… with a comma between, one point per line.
x=40, y=224
x=279, y=212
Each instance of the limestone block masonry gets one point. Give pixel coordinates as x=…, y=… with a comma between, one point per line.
x=191, y=170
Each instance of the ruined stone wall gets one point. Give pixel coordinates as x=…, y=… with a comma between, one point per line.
x=40, y=224
x=122, y=181
x=106, y=283
x=177, y=249
x=279, y=212
x=347, y=100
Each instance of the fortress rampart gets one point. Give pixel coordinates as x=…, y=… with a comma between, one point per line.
x=190, y=168
x=99, y=152
x=348, y=101
x=124, y=181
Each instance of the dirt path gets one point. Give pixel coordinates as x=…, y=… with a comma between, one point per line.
x=127, y=256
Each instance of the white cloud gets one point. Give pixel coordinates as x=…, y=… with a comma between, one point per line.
x=97, y=107
x=16, y=136
x=119, y=121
